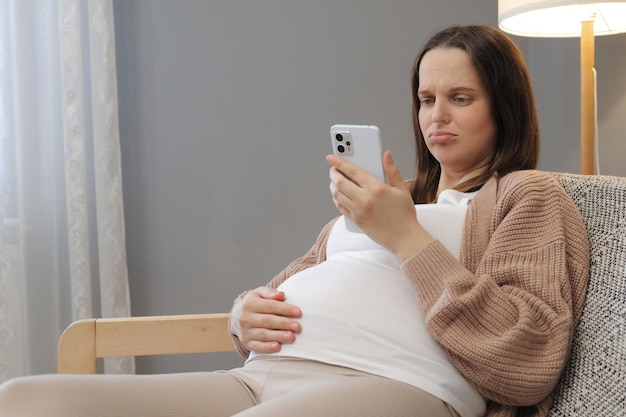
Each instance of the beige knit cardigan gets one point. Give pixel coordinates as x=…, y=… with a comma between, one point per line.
x=505, y=314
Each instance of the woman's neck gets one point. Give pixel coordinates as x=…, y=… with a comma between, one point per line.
x=448, y=180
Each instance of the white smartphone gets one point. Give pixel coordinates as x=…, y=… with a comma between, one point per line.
x=361, y=145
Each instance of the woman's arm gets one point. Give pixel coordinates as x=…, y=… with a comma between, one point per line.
x=508, y=324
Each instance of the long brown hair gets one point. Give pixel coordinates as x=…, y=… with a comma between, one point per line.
x=504, y=76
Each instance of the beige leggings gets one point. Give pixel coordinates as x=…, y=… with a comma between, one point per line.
x=265, y=387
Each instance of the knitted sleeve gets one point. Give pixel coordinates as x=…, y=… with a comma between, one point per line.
x=507, y=320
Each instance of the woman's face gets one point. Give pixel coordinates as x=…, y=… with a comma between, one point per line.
x=455, y=113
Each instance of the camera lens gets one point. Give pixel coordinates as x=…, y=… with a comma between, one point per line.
x=341, y=149
x=348, y=143
x=339, y=137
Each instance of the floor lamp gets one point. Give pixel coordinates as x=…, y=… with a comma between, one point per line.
x=563, y=18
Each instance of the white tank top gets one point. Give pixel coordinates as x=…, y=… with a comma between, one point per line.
x=359, y=310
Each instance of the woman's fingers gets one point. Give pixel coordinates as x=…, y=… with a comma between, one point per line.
x=355, y=174
x=263, y=321
x=392, y=171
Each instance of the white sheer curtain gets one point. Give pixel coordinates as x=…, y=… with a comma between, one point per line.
x=62, y=243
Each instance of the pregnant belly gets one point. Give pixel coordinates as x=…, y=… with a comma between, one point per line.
x=359, y=298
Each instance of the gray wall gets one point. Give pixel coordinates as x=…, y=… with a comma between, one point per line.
x=225, y=108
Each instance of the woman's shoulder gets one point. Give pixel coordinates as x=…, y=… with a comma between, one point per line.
x=528, y=176
x=526, y=188
x=529, y=181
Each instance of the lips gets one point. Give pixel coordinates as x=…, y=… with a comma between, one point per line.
x=441, y=137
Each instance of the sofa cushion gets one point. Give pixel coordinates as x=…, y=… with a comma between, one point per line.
x=594, y=381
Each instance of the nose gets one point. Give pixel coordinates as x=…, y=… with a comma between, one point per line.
x=440, y=112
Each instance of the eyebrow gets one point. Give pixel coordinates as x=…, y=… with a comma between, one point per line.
x=452, y=90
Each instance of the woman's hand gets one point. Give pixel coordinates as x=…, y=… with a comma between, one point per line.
x=386, y=213
x=263, y=321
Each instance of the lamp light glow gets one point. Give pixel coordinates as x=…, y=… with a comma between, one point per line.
x=570, y=18
x=560, y=19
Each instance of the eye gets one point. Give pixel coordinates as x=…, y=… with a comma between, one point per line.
x=462, y=99
x=426, y=101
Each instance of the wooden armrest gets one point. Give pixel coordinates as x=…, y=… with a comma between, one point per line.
x=84, y=341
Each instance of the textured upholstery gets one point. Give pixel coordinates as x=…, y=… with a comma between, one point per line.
x=594, y=382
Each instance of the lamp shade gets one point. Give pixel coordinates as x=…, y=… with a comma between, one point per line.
x=560, y=18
